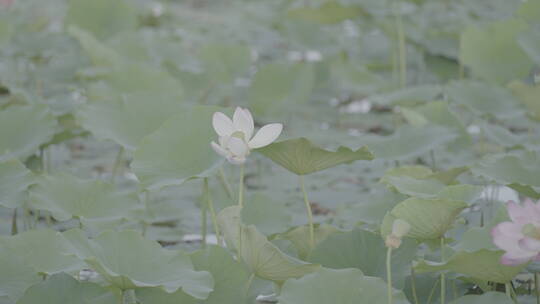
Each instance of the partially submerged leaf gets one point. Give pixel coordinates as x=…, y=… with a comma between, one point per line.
x=62, y=288
x=127, y=260
x=337, y=286
x=302, y=157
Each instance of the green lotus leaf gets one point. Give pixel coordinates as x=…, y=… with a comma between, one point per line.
x=330, y=12
x=484, y=99
x=54, y=255
x=154, y=295
x=14, y=181
x=366, y=251
x=408, y=142
x=263, y=258
x=128, y=261
x=101, y=17
x=301, y=157
x=429, y=218
x=187, y=156
x=277, y=87
x=62, y=288
x=299, y=237
x=482, y=264
x=489, y=297
x=128, y=118
x=69, y=197
x=337, y=286
x=15, y=275
x=268, y=216
x=482, y=48
x=528, y=95
x=23, y=129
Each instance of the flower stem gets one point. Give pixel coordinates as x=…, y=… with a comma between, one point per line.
x=213, y=217
x=413, y=285
x=389, y=275
x=241, y=187
x=309, y=213
x=443, y=281
x=225, y=182
x=402, y=48
x=204, y=224
x=536, y=282
x=14, y=229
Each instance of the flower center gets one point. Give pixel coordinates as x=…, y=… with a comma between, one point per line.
x=531, y=231
x=239, y=134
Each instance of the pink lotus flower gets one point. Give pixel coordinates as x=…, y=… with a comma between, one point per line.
x=6, y=3
x=520, y=238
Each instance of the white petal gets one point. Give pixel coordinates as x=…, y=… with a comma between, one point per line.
x=266, y=135
x=236, y=160
x=219, y=150
x=223, y=125
x=237, y=147
x=243, y=121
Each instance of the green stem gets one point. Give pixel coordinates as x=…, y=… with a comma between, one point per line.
x=389, y=275
x=241, y=187
x=432, y=292
x=536, y=282
x=204, y=224
x=213, y=216
x=402, y=48
x=249, y=282
x=443, y=278
x=507, y=290
x=413, y=285
x=14, y=229
x=309, y=213
x=117, y=163
x=225, y=182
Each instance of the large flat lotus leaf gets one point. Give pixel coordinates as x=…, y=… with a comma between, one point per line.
x=511, y=169
x=230, y=277
x=127, y=119
x=67, y=196
x=366, y=251
x=23, y=129
x=370, y=209
x=53, y=255
x=187, y=154
x=482, y=49
x=476, y=238
x=302, y=157
x=262, y=257
x=102, y=17
x=224, y=63
x=100, y=54
x=424, y=188
x=267, y=215
x=529, y=96
x=482, y=264
x=489, y=297
x=299, y=237
x=14, y=180
x=329, y=12
x=127, y=260
x=15, y=275
x=530, y=42
x=278, y=87
x=408, y=142
x=344, y=286
x=484, y=99
x=62, y=288
x=139, y=77
x=465, y=193
x=429, y=218
x=529, y=10
x=155, y=295
x=409, y=96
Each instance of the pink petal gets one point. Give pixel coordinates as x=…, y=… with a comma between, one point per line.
x=529, y=244
x=266, y=135
x=243, y=121
x=512, y=259
x=222, y=124
x=506, y=235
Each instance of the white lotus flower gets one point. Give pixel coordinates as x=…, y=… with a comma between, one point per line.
x=235, y=136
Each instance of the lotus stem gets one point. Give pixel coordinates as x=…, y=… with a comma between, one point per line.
x=241, y=187
x=309, y=213
x=413, y=286
x=213, y=216
x=402, y=48
x=389, y=275
x=443, y=281
x=14, y=229
x=536, y=281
